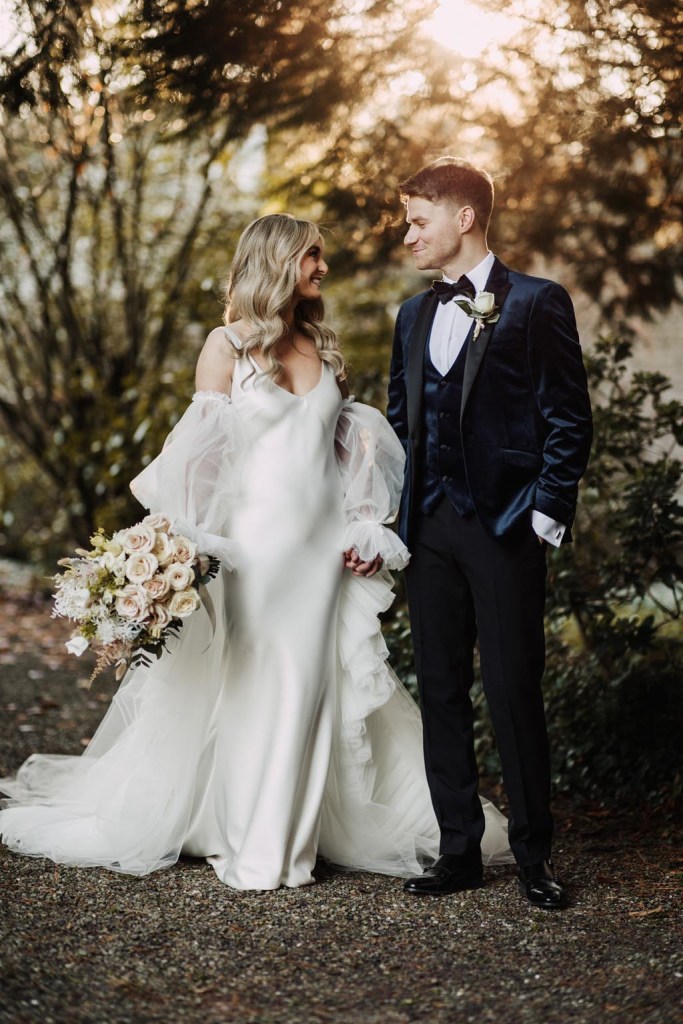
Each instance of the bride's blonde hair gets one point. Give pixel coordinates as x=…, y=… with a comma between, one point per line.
x=265, y=271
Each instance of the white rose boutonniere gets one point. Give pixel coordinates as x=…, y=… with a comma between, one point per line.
x=482, y=308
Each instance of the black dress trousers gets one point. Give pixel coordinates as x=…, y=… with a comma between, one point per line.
x=464, y=585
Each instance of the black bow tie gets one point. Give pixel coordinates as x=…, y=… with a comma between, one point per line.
x=446, y=291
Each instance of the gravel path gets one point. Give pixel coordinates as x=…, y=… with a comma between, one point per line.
x=177, y=946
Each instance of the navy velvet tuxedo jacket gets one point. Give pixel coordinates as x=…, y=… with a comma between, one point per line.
x=525, y=412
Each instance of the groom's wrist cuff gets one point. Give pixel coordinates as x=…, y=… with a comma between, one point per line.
x=549, y=529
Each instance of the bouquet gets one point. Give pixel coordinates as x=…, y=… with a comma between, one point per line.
x=131, y=592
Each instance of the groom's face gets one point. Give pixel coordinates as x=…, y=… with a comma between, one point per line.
x=433, y=234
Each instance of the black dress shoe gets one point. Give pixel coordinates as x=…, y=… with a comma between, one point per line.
x=538, y=883
x=452, y=872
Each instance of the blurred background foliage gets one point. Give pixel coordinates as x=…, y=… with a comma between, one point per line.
x=139, y=138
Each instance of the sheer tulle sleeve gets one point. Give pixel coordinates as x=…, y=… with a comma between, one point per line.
x=371, y=461
x=194, y=480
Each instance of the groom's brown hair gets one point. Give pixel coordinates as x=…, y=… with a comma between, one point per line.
x=456, y=181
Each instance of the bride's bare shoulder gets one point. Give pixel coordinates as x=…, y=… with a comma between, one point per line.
x=216, y=362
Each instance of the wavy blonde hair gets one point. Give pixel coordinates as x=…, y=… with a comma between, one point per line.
x=265, y=271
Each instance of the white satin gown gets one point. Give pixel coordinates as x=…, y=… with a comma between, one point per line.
x=273, y=731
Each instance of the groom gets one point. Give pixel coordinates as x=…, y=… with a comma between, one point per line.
x=488, y=395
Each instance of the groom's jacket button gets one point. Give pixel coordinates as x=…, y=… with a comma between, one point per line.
x=445, y=447
x=446, y=478
x=444, y=415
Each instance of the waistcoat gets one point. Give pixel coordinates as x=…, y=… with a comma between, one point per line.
x=442, y=466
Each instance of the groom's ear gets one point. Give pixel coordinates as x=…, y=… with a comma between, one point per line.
x=466, y=219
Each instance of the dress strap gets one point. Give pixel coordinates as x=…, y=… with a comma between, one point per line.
x=233, y=337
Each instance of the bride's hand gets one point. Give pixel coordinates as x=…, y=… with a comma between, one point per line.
x=358, y=568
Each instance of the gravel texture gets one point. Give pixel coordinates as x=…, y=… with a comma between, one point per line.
x=178, y=946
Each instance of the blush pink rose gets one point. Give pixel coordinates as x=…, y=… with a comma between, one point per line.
x=157, y=587
x=179, y=576
x=137, y=539
x=132, y=603
x=184, y=550
x=184, y=603
x=141, y=567
x=158, y=521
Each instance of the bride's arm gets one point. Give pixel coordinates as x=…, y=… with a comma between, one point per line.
x=195, y=478
x=216, y=364
x=371, y=460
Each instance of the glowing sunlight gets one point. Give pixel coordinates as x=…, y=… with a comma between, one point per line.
x=466, y=28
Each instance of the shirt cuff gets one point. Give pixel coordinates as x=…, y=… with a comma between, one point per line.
x=548, y=529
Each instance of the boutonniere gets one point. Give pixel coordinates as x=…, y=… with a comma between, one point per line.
x=482, y=308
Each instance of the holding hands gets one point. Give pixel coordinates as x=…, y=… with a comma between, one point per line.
x=352, y=561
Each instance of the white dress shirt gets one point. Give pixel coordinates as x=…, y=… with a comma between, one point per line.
x=450, y=328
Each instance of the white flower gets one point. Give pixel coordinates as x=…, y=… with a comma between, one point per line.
x=132, y=603
x=77, y=644
x=115, y=545
x=106, y=633
x=482, y=308
x=184, y=550
x=157, y=587
x=483, y=304
x=179, y=576
x=81, y=598
x=137, y=539
x=184, y=603
x=158, y=521
x=112, y=562
x=73, y=600
x=141, y=567
x=163, y=548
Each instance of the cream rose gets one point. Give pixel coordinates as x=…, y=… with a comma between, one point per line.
x=179, y=576
x=158, y=521
x=184, y=550
x=183, y=604
x=132, y=603
x=483, y=303
x=142, y=567
x=163, y=548
x=157, y=587
x=138, y=539
x=159, y=615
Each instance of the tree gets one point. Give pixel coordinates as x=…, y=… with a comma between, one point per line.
x=591, y=158
x=577, y=116
x=121, y=135
x=107, y=206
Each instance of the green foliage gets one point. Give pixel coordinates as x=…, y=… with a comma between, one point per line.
x=615, y=659
x=615, y=734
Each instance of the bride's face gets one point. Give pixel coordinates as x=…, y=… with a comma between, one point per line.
x=313, y=269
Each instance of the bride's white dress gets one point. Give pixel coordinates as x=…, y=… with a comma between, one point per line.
x=274, y=730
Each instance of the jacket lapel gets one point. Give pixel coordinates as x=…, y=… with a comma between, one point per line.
x=415, y=363
x=499, y=284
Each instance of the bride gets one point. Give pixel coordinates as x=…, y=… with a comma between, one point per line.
x=274, y=732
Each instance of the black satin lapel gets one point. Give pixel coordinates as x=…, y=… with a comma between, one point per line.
x=499, y=284
x=415, y=365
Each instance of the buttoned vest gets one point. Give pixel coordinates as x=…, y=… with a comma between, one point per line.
x=442, y=469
